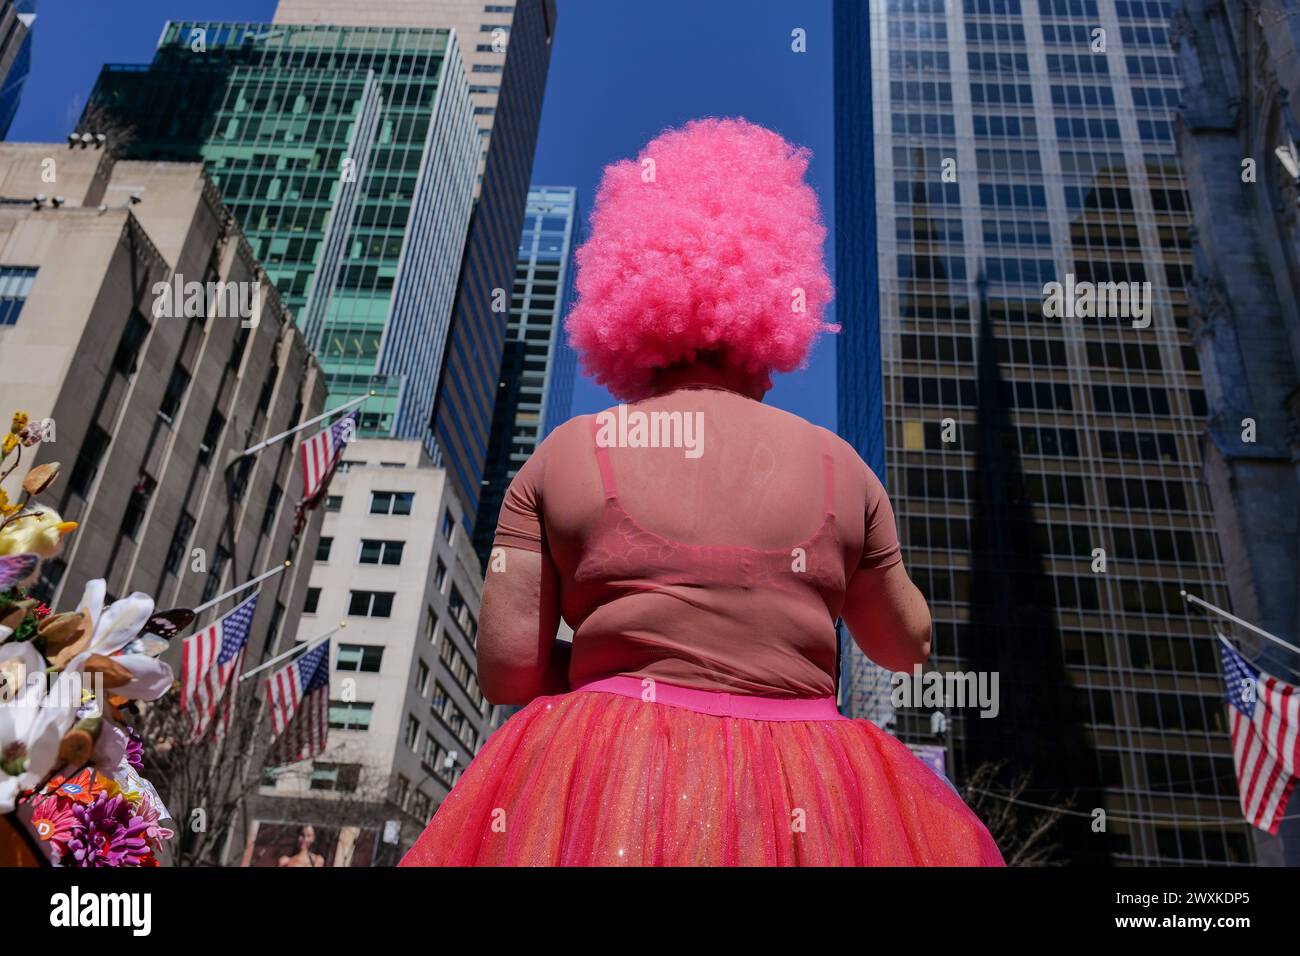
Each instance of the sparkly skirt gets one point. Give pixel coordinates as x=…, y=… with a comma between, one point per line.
x=601, y=776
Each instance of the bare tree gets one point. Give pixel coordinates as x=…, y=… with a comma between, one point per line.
x=204, y=783
x=1024, y=839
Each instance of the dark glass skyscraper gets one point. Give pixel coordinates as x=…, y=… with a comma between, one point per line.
x=16, y=20
x=535, y=392
x=1044, y=467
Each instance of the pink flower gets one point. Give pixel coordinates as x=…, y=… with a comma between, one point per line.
x=54, y=820
x=149, y=813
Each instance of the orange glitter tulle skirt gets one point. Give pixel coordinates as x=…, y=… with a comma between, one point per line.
x=594, y=778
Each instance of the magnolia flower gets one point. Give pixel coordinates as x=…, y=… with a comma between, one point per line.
x=30, y=727
x=112, y=628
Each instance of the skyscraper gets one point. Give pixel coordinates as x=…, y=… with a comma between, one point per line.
x=16, y=20
x=1044, y=463
x=348, y=154
x=506, y=48
x=535, y=392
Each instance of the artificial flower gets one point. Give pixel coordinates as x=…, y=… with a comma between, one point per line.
x=53, y=819
x=6, y=508
x=84, y=788
x=111, y=629
x=110, y=835
x=31, y=727
x=19, y=422
x=134, y=748
x=10, y=442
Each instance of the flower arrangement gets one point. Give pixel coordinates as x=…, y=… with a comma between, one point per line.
x=70, y=789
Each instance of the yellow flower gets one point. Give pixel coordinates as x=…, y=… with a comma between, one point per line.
x=5, y=507
x=19, y=422
x=10, y=442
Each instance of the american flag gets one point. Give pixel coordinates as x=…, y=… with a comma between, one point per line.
x=321, y=453
x=1265, y=715
x=212, y=659
x=299, y=697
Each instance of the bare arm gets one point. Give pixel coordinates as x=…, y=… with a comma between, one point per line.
x=518, y=656
x=888, y=617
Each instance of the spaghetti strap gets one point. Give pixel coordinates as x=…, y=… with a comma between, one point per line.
x=602, y=460
x=828, y=474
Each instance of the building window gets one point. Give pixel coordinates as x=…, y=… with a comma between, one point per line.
x=313, y=600
x=211, y=436
x=333, y=503
x=180, y=538
x=272, y=505
x=440, y=576
x=421, y=807
x=175, y=394
x=340, y=777
x=268, y=389
x=128, y=347
x=215, y=572
x=448, y=524
x=391, y=502
x=273, y=630
x=381, y=552
x=402, y=792
x=359, y=657
x=137, y=505
x=15, y=284
x=430, y=622
x=459, y=610
x=350, y=715
x=239, y=480
x=412, y=735
x=370, y=603
x=421, y=678
x=88, y=459
x=237, y=353
x=323, y=546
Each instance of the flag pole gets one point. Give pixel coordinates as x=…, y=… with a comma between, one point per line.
x=296, y=649
x=252, y=449
x=243, y=587
x=1192, y=598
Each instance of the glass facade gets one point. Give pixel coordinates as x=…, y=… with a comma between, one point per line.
x=1045, y=469
x=468, y=388
x=17, y=17
x=535, y=392
x=349, y=156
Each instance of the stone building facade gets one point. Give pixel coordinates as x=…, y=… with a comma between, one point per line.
x=1238, y=139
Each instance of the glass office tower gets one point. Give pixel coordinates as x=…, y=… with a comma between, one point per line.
x=17, y=17
x=349, y=156
x=535, y=392
x=1045, y=469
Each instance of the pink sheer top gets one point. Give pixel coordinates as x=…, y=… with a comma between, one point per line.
x=719, y=566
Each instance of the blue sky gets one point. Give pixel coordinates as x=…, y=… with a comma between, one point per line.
x=621, y=71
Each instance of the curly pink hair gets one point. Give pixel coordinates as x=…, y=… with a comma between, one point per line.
x=708, y=242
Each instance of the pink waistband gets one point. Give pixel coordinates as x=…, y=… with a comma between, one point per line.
x=718, y=703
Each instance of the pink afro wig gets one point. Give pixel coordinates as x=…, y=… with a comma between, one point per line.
x=710, y=241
